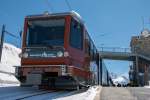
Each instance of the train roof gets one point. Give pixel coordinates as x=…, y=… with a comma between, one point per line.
x=46, y=14
x=71, y=13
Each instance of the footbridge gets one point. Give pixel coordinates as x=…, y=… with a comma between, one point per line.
x=116, y=53
x=125, y=54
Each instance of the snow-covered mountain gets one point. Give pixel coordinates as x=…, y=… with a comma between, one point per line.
x=10, y=58
x=113, y=75
x=119, y=79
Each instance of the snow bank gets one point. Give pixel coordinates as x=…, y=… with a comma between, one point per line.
x=10, y=58
x=147, y=86
x=9, y=85
x=88, y=95
x=10, y=55
x=7, y=78
x=91, y=93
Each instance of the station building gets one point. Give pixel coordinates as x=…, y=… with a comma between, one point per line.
x=140, y=45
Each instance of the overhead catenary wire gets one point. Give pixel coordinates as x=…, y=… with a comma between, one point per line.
x=68, y=4
x=11, y=34
x=145, y=22
x=49, y=5
x=5, y=32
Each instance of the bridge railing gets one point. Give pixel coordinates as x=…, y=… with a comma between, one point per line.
x=114, y=49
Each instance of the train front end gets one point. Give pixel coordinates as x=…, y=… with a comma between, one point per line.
x=44, y=57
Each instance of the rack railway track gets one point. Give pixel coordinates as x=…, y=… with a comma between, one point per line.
x=31, y=93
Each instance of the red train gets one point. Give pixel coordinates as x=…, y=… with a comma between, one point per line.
x=57, y=52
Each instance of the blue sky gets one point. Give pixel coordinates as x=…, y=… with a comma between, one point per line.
x=118, y=20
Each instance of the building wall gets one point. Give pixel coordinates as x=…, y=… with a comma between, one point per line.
x=141, y=45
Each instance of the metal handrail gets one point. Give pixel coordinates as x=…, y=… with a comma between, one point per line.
x=114, y=49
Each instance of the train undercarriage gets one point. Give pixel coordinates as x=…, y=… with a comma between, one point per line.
x=54, y=77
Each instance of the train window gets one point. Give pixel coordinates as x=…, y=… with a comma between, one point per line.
x=86, y=42
x=89, y=48
x=48, y=32
x=76, y=34
x=95, y=53
x=86, y=45
x=92, y=50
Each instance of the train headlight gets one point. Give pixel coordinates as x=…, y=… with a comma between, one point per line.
x=66, y=54
x=25, y=55
x=59, y=54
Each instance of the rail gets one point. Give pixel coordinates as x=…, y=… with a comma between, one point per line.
x=34, y=94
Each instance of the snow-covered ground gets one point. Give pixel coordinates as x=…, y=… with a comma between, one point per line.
x=10, y=58
x=147, y=86
x=88, y=95
x=9, y=84
x=29, y=93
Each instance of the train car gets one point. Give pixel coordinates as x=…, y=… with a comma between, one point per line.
x=57, y=52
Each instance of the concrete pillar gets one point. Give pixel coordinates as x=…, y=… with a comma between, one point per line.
x=101, y=70
x=98, y=69
x=2, y=41
x=137, y=69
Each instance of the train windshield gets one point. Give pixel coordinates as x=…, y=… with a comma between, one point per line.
x=46, y=32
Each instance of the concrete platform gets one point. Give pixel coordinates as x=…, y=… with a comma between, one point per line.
x=123, y=93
